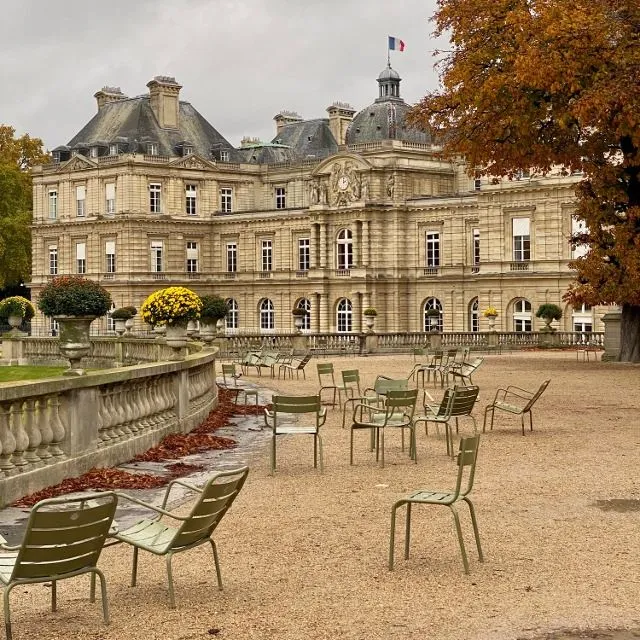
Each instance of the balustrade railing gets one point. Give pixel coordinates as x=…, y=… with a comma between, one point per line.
x=52, y=429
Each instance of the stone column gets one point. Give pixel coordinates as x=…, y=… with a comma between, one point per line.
x=612, y=321
x=324, y=314
x=365, y=243
x=323, y=245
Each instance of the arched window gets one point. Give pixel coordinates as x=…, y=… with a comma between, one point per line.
x=267, y=315
x=429, y=325
x=231, y=320
x=305, y=304
x=344, y=250
x=522, y=315
x=582, y=321
x=474, y=316
x=344, y=316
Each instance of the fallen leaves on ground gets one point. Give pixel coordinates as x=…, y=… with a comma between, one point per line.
x=171, y=447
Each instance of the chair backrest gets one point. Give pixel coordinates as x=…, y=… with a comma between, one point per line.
x=351, y=379
x=325, y=370
x=65, y=535
x=462, y=354
x=303, y=362
x=401, y=401
x=296, y=404
x=214, y=501
x=229, y=371
x=466, y=461
x=536, y=395
x=383, y=385
x=464, y=399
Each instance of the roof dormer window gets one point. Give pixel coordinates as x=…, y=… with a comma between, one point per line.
x=224, y=156
x=113, y=149
x=152, y=148
x=56, y=157
x=187, y=150
x=93, y=152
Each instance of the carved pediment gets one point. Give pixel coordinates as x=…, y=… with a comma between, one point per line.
x=77, y=163
x=192, y=162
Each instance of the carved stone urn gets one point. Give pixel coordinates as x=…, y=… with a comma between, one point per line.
x=73, y=341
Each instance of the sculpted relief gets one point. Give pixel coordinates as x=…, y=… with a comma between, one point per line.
x=345, y=184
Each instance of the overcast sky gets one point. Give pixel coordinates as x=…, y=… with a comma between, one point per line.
x=239, y=61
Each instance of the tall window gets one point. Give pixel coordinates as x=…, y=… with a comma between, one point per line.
x=187, y=150
x=53, y=260
x=476, y=247
x=54, y=327
x=226, y=200
x=232, y=318
x=267, y=315
x=344, y=316
x=582, y=319
x=110, y=196
x=224, y=156
x=474, y=316
x=232, y=257
x=155, y=197
x=281, y=198
x=433, y=249
x=522, y=315
x=81, y=194
x=521, y=240
x=113, y=149
x=428, y=324
x=304, y=254
x=81, y=257
x=578, y=226
x=267, y=255
x=152, y=148
x=156, y=256
x=192, y=257
x=53, y=204
x=190, y=195
x=305, y=304
x=110, y=254
x=344, y=246
x=111, y=323
x=93, y=152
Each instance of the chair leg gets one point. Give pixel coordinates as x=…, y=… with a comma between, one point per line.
x=351, y=447
x=522, y=421
x=381, y=443
x=172, y=599
x=103, y=592
x=460, y=539
x=315, y=452
x=392, y=535
x=134, y=567
x=320, y=452
x=54, y=593
x=407, y=532
x=7, y=611
x=476, y=533
x=217, y=563
x=273, y=454
x=530, y=420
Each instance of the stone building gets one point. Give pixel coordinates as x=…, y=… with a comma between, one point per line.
x=335, y=214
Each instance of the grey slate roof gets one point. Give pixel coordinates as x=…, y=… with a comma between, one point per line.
x=308, y=139
x=132, y=124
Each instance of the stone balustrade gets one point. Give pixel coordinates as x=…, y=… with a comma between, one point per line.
x=61, y=427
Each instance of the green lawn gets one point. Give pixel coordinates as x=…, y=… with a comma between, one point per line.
x=11, y=374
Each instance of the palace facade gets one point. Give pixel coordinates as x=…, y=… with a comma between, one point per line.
x=335, y=214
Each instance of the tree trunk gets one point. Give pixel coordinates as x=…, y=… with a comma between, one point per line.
x=630, y=334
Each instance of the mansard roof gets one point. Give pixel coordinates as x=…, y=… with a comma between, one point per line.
x=308, y=139
x=132, y=124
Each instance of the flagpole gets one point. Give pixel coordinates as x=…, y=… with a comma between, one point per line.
x=388, y=54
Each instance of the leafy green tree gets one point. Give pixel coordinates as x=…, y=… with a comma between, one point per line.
x=17, y=156
x=537, y=84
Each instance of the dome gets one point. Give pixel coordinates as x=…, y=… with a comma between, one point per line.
x=385, y=119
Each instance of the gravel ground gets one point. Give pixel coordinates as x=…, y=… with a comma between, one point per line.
x=304, y=554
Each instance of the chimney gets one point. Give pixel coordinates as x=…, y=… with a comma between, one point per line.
x=284, y=118
x=340, y=115
x=164, y=94
x=107, y=95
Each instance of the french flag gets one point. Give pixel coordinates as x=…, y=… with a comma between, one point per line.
x=395, y=44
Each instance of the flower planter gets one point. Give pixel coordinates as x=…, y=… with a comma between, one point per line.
x=128, y=325
x=492, y=322
x=14, y=321
x=369, y=322
x=120, y=326
x=176, y=335
x=208, y=330
x=73, y=341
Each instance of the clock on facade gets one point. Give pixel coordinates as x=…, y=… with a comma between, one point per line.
x=343, y=183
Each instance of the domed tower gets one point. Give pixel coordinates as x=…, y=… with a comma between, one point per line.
x=385, y=119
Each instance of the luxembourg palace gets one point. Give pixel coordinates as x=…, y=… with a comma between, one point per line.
x=335, y=214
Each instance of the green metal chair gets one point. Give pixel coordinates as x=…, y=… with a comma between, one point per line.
x=467, y=457
x=375, y=395
x=194, y=529
x=397, y=413
x=64, y=538
x=464, y=371
x=281, y=418
x=327, y=381
x=515, y=400
x=456, y=402
x=294, y=365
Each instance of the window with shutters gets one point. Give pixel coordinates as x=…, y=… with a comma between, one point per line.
x=53, y=260
x=232, y=257
x=192, y=257
x=81, y=194
x=110, y=196
x=53, y=204
x=521, y=239
x=190, y=197
x=81, y=257
x=155, y=197
x=110, y=254
x=156, y=256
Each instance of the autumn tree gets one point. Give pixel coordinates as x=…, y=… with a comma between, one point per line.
x=542, y=84
x=17, y=156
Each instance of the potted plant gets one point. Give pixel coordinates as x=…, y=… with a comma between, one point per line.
x=370, y=315
x=299, y=314
x=214, y=310
x=433, y=316
x=15, y=310
x=491, y=313
x=172, y=307
x=121, y=316
x=549, y=312
x=75, y=303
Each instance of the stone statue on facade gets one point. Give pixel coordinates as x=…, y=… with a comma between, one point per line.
x=314, y=189
x=391, y=185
